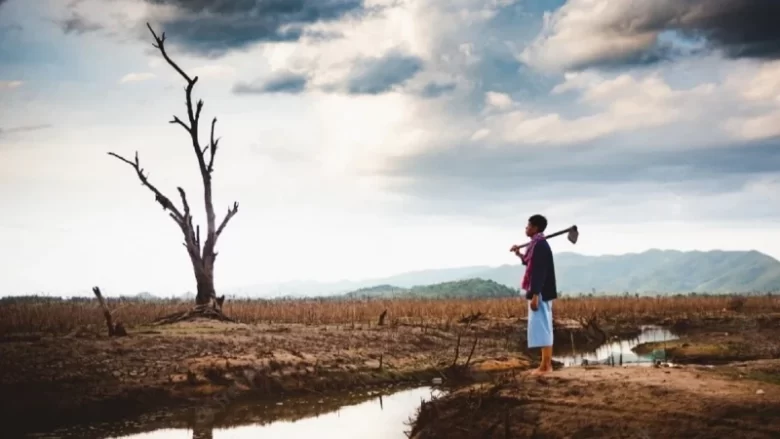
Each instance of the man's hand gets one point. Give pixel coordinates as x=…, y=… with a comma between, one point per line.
x=535, y=303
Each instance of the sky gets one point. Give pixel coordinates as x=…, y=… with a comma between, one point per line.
x=364, y=138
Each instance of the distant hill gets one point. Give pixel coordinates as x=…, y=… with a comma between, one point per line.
x=376, y=292
x=658, y=271
x=649, y=272
x=461, y=289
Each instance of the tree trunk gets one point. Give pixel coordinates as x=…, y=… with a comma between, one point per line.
x=202, y=432
x=204, y=276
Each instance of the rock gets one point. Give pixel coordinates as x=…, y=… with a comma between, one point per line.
x=759, y=392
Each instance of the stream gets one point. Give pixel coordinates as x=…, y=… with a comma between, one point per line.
x=380, y=417
x=619, y=352
x=358, y=415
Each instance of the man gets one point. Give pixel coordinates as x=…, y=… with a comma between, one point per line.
x=541, y=290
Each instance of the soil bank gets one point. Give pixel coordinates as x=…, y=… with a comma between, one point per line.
x=733, y=390
x=88, y=377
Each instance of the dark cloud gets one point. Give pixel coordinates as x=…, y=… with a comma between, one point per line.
x=736, y=28
x=741, y=28
x=283, y=83
x=435, y=89
x=379, y=75
x=487, y=173
x=78, y=25
x=213, y=27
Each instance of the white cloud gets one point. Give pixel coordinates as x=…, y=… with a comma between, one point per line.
x=501, y=101
x=136, y=77
x=582, y=32
x=613, y=105
x=758, y=83
x=755, y=128
x=10, y=85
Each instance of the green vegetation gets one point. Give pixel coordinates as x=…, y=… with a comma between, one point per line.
x=463, y=289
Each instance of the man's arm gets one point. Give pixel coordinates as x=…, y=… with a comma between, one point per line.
x=516, y=250
x=539, y=267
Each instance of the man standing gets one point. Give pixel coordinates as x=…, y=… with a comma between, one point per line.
x=541, y=290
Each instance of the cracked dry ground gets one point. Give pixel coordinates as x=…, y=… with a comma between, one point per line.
x=76, y=379
x=604, y=402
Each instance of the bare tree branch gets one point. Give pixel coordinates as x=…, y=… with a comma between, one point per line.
x=212, y=146
x=184, y=202
x=160, y=44
x=230, y=214
x=164, y=201
x=194, y=118
x=178, y=121
x=197, y=110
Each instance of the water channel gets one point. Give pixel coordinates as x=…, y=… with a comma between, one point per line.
x=380, y=417
x=365, y=416
x=619, y=352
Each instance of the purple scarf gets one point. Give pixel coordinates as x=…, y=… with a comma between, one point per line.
x=527, y=259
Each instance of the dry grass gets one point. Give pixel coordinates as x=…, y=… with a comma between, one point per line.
x=63, y=316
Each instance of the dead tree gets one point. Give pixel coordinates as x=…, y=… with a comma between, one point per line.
x=202, y=255
x=114, y=329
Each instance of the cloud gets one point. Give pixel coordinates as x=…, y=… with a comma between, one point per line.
x=435, y=89
x=381, y=74
x=610, y=105
x=484, y=182
x=587, y=33
x=501, y=101
x=214, y=27
x=10, y=85
x=24, y=129
x=79, y=25
x=136, y=77
x=651, y=135
x=286, y=82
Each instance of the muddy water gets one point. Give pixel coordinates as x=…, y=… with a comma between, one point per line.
x=619, y=351
x=384, y=417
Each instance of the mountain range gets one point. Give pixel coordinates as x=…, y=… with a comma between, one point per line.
x=650, y=272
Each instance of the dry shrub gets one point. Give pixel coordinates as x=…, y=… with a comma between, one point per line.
x=63, y=316
x=737, y=303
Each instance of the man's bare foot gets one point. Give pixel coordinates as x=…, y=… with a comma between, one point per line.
x=541, y=371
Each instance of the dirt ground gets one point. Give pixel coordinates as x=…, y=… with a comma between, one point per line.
x=722, y=340
x=724, y=380
x=87, y=377
x=608, y=402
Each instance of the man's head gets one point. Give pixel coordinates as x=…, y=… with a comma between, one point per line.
x=536, y=224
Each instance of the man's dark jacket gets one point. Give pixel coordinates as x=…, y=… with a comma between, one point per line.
x=542, y=273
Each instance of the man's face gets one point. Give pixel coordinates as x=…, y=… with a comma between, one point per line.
x=530, y=230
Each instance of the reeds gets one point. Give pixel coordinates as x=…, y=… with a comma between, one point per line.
x=46, y=315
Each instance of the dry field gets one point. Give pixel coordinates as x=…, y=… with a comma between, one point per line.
x=64, y=316
x=59, y=363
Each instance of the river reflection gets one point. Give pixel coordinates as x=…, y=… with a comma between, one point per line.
x=381, y=418
x=620, y=351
